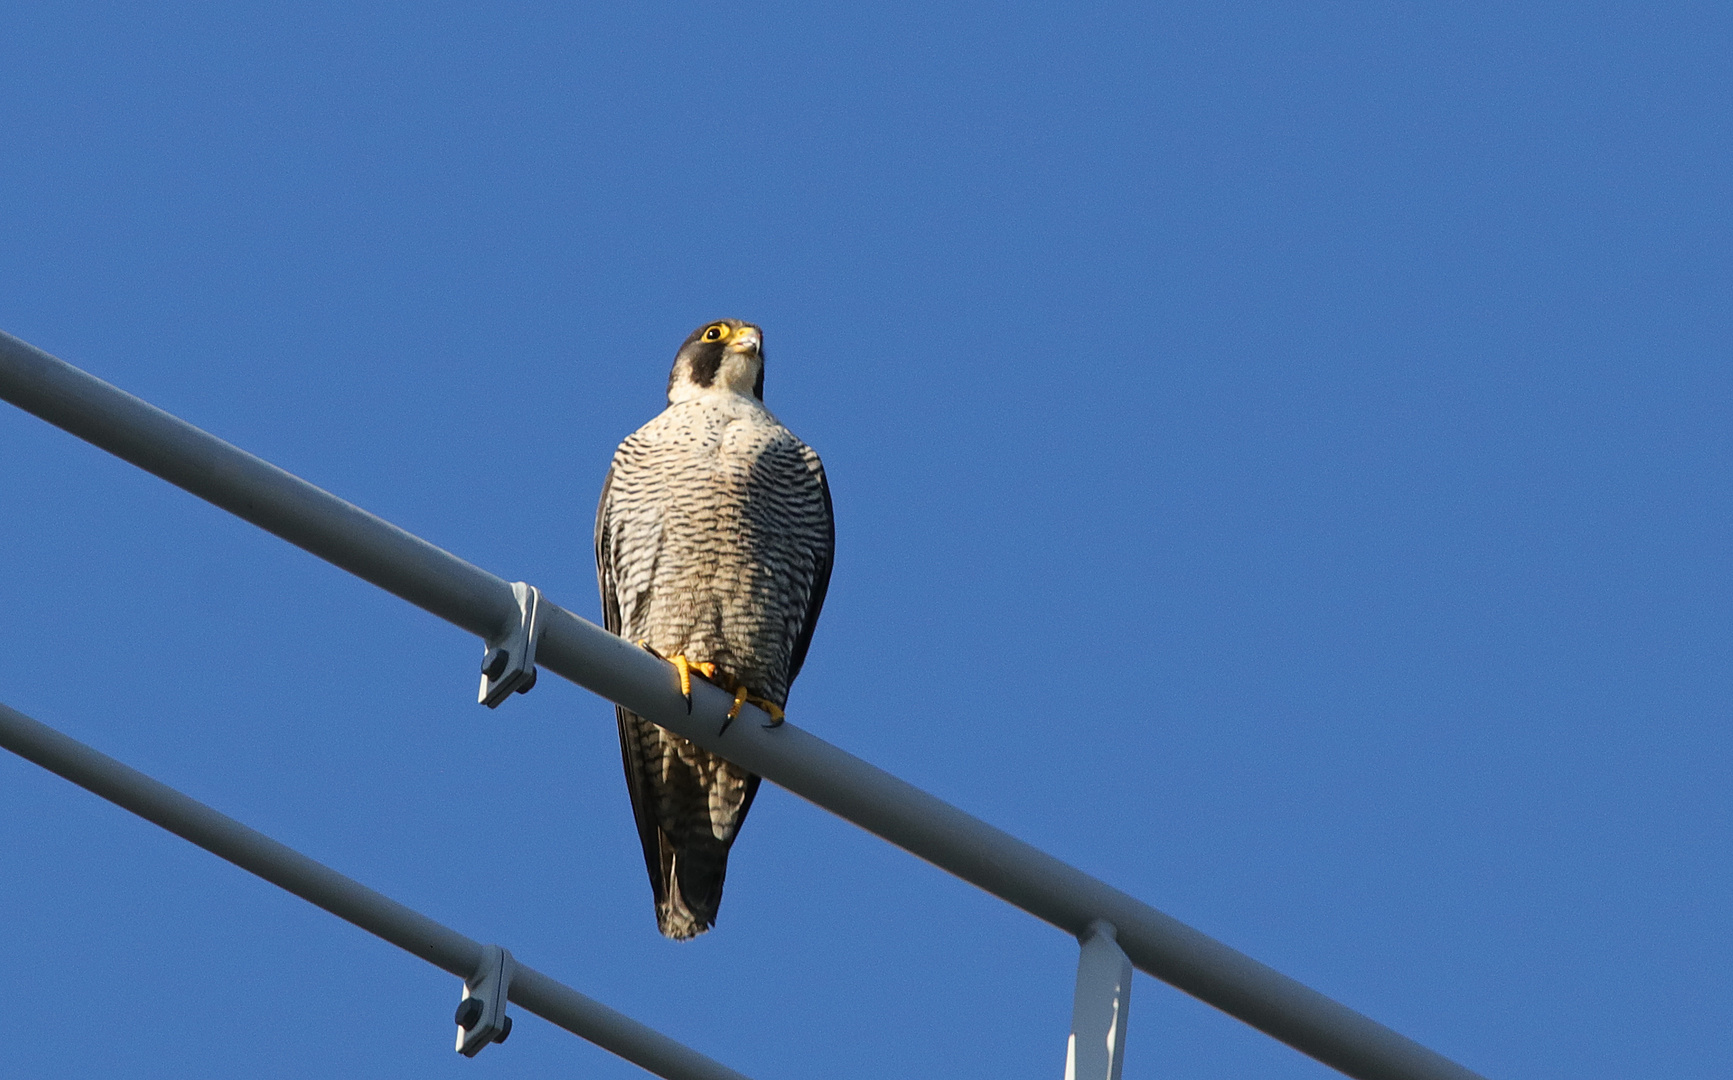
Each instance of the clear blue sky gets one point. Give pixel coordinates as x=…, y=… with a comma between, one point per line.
x=1282, y=463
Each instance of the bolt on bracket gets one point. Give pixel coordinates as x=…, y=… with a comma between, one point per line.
x=509, y=665
x=481, y=1017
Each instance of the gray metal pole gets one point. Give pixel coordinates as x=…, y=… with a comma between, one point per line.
x=1100, y=1008
x=838, y=781
x=346, y=898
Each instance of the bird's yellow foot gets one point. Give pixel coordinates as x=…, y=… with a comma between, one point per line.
x=685, y=667
x=742, y=697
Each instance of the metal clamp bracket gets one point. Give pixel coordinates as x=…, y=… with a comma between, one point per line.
x=509, y=665
x=481, y=1017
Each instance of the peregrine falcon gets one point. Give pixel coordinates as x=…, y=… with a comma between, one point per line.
x=714, y=541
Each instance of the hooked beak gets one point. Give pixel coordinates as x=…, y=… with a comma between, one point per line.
x=747, y=340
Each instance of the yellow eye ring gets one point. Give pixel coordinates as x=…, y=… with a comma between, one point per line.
x=717, y=332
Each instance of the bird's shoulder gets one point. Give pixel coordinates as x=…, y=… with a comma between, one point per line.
x=709, y=425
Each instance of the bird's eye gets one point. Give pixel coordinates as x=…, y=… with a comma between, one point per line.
x=716, y=332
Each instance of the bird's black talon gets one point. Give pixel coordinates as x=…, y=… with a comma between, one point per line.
x=774, y=723
x=725, y=722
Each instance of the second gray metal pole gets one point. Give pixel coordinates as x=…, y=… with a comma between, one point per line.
x=345, y=897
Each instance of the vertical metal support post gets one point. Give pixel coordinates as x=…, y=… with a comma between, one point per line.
x=1101, y=1007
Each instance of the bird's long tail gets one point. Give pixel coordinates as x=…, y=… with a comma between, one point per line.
x=689, y=806
x=692, y=876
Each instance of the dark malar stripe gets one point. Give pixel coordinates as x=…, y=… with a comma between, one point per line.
x=706, y=362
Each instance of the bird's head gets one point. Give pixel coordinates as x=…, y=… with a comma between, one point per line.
x=723, y=355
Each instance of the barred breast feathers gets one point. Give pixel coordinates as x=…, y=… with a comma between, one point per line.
x=714, y=541
x=716, y=526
